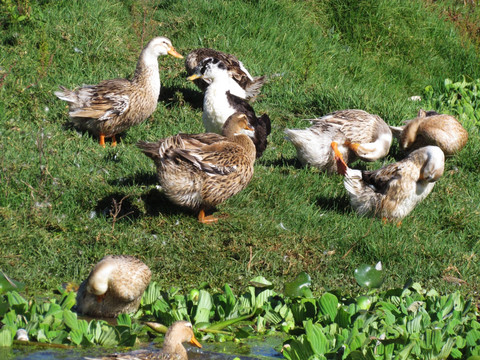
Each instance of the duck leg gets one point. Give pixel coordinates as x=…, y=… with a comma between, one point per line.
x=206, y=219
x=352, y=146
x=102, y=140
x=341, y=165
x=114, y=141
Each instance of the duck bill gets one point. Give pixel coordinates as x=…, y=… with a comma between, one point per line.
x=194, y=77
x=174, y=52
x=195, y=342
x=100, y=298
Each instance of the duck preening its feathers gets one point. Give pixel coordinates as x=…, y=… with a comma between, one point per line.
x=432, y=128
x=393, y=191
x=357, y=133
x=236, y=70
x=114, y=286
x=112, y=106
x=225, y=97
x=200, y=171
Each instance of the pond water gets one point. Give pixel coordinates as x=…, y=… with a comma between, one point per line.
x=262, y=349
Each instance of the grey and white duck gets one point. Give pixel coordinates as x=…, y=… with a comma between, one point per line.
x=112, y=106
x=223, y=98
x=393, y=191
x=358, y=134
x=235, y=68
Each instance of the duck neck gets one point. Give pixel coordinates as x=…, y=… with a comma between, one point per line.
x=176, y=349
x=409, y=134
x=245, y=142
x=147, y=72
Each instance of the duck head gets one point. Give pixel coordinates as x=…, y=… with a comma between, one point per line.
x=209, y=69
x=434, y=163
x=161, y=46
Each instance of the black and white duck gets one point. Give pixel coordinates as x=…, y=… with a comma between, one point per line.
x=225, y=97
x=235, y=69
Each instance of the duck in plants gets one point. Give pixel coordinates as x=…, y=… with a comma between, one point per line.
x=177, y=334
x=236, y=71
x=224, y=97
x=114, y=286
x=200, y=171
x=112, y=106
x=432, y=128
x=393, y=191
x=357, y=133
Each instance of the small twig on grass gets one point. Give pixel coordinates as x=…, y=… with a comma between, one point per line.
x=356, y=242
x=251, y=258
x=117, y=208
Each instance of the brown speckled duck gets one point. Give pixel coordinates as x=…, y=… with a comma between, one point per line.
x=393, y=191
x=179, y=332
x=357, y=133
x=114, y=286
x=236, y=71
x=112, y=106
x=200, y=171
x=432, y=128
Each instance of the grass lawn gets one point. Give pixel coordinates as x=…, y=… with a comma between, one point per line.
x=65, y=202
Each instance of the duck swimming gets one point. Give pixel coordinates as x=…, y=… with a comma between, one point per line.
x=225, y=97
x=112, y=106
x=177, y=334
x=357, y=133
x=200, y=171
x=432, y=128
x=114, y=286
x=393, y=191
x=235, y=69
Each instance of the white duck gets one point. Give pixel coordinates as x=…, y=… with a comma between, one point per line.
x=393, y=191
x=357, y=133
x=112, y=106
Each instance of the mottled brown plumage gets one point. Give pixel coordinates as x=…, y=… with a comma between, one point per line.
x=431, y=128
x=236, y=70
x=112, y=106
x=393, y=191
x=357, y=133
x=180, y=332
x=201, y=171
x=114, y=286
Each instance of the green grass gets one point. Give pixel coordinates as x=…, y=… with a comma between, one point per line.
x=57, y=186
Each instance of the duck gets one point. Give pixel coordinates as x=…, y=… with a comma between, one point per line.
x=200, y=171
x=432, y=128
x=112, y=106
x=393, y=191
x=358, y=134
x=178, y=333
x=235, y=69
x=224, y=97
x=115, y=286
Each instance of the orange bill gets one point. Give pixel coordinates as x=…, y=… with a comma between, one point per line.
x=195, y=342
x=341, y=164
x=194, y=77
x=174, y=52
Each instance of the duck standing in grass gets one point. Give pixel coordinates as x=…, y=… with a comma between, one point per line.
x=393, y=191
x=235, y=69
x=177, y=334
x=114, y=286
x=200, y=171
x=224, y=97
x=357, y=133
x=112, y=106
x=432, y=128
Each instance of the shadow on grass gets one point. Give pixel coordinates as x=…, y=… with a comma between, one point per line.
x=118, y=206
x=157, y=203
x=282, y=162
x=339, y=204
x=68, y=125
x=179, y=95
x=141, y=178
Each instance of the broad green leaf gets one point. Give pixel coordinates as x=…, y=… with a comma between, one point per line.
x=368, y=276
x=260, y=282
x=124, y=320
x=70, y=319
x=204, y=306
x=299, y=287
x=328, y=304
x=8, y=284
x=316, y=338
x=108, y=336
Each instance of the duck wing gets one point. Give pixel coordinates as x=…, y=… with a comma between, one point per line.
x=103, y=101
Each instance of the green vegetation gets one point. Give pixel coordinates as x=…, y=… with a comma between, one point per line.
x=65, y=202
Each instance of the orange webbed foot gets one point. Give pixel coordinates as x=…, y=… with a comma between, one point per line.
x=341, y=164
x=352, y=146
x=114, y=141
x=102, y=140
x=206, y=219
